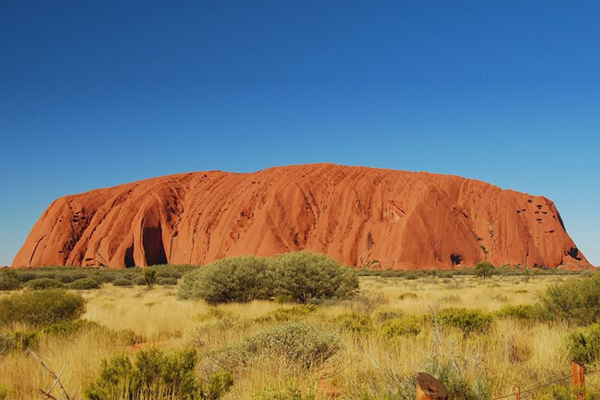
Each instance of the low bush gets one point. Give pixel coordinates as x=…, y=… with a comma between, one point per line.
x=465, y=319
x=576, y=301
x=287, y=314
x=240, y=279
x=392, y=273
x=411, y=276
x=84, y=284
x=354, y=322
x=41, y=307
x=166, y=281
x=584, y=344
x=123, y=282
x=405, y=326
x=138, y=281
x=24, y=275
x=519, y=312
x=9, y=280
x=155, y=374
x=67, y=328
x=296, y=343
x=44, y=283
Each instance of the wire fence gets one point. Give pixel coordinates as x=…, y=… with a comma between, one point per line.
x=539, y=385
x=429, y=388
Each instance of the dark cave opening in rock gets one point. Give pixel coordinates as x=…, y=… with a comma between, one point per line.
x=574, y=253
x=456, y=259
x=129, y=261
x=154, y=248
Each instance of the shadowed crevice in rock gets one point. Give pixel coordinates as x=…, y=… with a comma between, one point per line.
x=154, y=249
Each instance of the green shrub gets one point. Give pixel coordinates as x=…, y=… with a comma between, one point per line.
x=584, y=344
x=392, y=274
x=305, y=276
x=576, y=301
x=64, y=278
x=25, y=339
x=67, y=328
x=24, y=275
x=44, y=283
x=296, y=343
x=446, y=274
x=240, y=279
x=138, y=281
x=166, y=281
x=519, y=312
x=465, y=319
x=156, y=374
x=354, y=322
x=405, y=326
x=122, y=282
x=300, y=276
x=149, y=277
x=411, y=276
x=484, y=269
x=41, y=307
x=130, y=337
x=84, y=284
x=287, y=314
x=9, y=280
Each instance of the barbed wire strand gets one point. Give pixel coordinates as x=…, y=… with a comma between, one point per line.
x=545, y=384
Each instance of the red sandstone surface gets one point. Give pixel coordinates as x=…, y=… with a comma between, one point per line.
x=357, y=215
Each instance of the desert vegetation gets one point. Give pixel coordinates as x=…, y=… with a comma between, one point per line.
x=293, y=336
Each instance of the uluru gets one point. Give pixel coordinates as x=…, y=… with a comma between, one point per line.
x=360, y=216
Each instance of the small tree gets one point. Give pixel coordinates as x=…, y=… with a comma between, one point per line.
x=484, y=269
x=149, y=277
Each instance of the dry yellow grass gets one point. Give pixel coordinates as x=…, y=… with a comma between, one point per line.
x=370, y=365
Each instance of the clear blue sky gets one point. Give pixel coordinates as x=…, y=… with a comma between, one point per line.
x=98, y=93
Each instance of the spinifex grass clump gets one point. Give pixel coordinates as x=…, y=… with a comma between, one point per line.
x=295, y=343
x=300, y=276
x=467, y=320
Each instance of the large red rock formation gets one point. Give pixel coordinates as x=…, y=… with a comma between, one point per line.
x=404, y=220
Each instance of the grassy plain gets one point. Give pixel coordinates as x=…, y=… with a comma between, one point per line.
x=369, y=365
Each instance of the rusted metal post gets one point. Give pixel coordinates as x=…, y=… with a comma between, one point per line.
x=578, y=379
x=517, y=393
x=429, y=388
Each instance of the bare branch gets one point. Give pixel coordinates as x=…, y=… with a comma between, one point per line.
x=52, y=374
